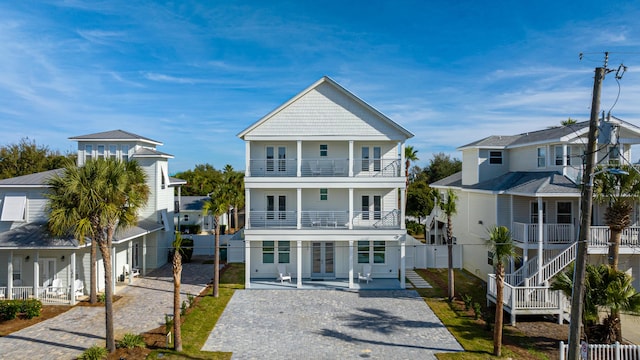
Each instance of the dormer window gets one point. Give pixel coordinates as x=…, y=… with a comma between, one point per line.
x=495, y=157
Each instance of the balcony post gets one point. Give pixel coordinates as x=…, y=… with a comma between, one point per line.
x=403, y=206
x=247, y=158
x=402, y=160
x=247, y=263
x=247, y=207
x=299, y=207
x=350, y=220
x=299, y=264
x=299, y=157
x=540, y=238
x=350, y=264
x=350, y=158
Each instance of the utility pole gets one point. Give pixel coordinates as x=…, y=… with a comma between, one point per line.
x=577, y=304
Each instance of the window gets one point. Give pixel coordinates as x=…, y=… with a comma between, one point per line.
x=542, y=157
x=376, y=158
x=186, y=217
x=88, y=152
x=495, y=157
x=564, y=212
x=534, y=212
x=365, y=207
x=365, y=159
x=369, y=209
x=163, y=183
x=614, y=155
x=368, y=250
x=363, y=252
x=17, y=268
x=324, y=150
x=125, y=152
x=270, y=207
x=376, y=207
x=490, y=257
x=267, y=252
x=13, y=207
x=282, y=158
x=282, y=207
x=284, y=252
x=324, y=194
x=113, y=149
x=100, y=154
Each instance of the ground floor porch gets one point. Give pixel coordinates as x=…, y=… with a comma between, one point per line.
x=335, y=284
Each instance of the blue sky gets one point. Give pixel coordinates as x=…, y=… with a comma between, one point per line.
x=192, y=74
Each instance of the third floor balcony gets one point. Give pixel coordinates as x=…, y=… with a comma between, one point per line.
x=325, y=168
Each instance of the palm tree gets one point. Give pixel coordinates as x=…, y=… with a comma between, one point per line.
x=619, y=193
x=235, y=182
x=501, y=246
x=93, y=201
x=448, y=206
x=177, y=276
x=217, y=206
x=410, y=154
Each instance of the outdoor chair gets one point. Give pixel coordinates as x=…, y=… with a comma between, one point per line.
x=315, y=168
x=79, y=287
x=56, y=288
x=125, y=271
x=365, y=274
x=283, y=274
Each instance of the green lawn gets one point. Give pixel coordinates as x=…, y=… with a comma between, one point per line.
x=199, y=322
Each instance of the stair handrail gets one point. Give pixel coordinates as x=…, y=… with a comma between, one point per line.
x=518, y=277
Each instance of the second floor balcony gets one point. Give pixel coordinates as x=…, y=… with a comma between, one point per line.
x=324, y=220
x=325, y=168
x=553, y=234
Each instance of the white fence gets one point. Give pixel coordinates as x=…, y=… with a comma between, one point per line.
x=605, y=352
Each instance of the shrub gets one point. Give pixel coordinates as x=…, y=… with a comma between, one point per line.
x=168, y=323
x=468, y=301
x=130, y=341
x=9, y=309
x=31, y=308
x=414, y=228
x=477, y=309
x=102, y=297
x=183, y=308
x=191, y=298
x=94, y=353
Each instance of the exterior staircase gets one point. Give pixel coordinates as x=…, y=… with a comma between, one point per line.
x=526, y=290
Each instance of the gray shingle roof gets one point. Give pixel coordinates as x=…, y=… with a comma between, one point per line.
x=115, y=135
x=529, y=183
x=192, y=203
x=145, y=152
x=532, y=137
x=37, y=179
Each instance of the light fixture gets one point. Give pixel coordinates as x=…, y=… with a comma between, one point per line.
x=26, y=259
x=62, y=258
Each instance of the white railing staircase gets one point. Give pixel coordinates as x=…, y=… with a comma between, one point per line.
x=535, y=297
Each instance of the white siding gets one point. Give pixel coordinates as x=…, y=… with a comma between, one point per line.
x=470, y=163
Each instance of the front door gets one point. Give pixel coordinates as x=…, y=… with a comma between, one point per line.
x=47, y=268
x=323, y=260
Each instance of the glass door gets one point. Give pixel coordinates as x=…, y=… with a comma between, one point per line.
x=322, y=260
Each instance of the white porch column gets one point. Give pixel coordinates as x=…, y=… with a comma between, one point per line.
x=72, y=281
x=564, y=159
x=351, y=159
x=130, y=261
x=247, y=208
x=144, y=255
x=350, y=220
x=10, y=276
x=299, y=157
x=403, y=271
x=247, y=158
x=114, y=264
x=403, y=207
x=350, y=264
x=298, y=208
x=402, y=159
x=299, y=264
x=247, y=264
x=540, y=238
x=36, y=273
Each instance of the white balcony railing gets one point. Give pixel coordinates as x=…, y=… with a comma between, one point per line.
x=600, y=236
x=315, y=219
x=526, y=297
x=324, y=167
x=551, y=233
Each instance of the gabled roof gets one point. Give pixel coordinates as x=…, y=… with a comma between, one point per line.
x=192, y=203
x=524, y=183
x=32, y=180
x=114, y=135
x=174, y=181
x=298, y=113
x=146, y=152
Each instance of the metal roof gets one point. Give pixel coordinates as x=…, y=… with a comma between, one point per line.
x=526, y=183
x=114, y=135
x=37, y=179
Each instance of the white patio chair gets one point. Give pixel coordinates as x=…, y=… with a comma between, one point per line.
x=315, y=168
x=134, y=271
x=365, y=274
x=56, y=288
x=283, y=274
x=79, y=287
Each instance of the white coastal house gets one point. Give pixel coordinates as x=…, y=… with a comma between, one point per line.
x=325, y=190
x=35, y=264
x=530, y=183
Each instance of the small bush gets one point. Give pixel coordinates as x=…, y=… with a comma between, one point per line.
x=168, y=323
x=191, y=298
x=9, y=309
x=130, y=341
x=468, y=301
x=414, y=228
x=477, y=309
x=32, y=308
x=94, y=353
x=102, y=297
x=183, y=308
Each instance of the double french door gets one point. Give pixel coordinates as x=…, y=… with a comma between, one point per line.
x=322, y=261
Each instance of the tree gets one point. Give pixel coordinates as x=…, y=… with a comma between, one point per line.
x=501, y=246
x=93, y=201
x=235, y=182
x=568, y=122
x=420, y=200
x=618, y=191
x=217, y=205
x=177, y=276
x=26, y=157
x=441, y=166
x=200, y=181
x=410, y=154
x=604, y=288
x=448, y=206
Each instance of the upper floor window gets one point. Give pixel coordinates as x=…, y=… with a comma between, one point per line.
x=100, y=154
x=14, y=207
x=324, y=150
x=542, y=157
x=495, y=157
x=558, y=155
x=112, y=152
x=124, y=149
x=534, y=212
x=324, y=194
x=88, y=152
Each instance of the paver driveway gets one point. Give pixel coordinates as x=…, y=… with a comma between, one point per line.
x=329, y=324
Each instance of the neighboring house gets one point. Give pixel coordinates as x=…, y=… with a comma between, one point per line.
x=191, y=214
x=324, y=189
x=530, y=183
x=34, y=262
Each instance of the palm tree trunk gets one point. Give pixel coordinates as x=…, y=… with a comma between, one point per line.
x=235, y=218
x=614, y=247
x=93, y=273
x=216, y=262
x=177, y=275
x=105, y=250
x=451, y=288
x=497, y=331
